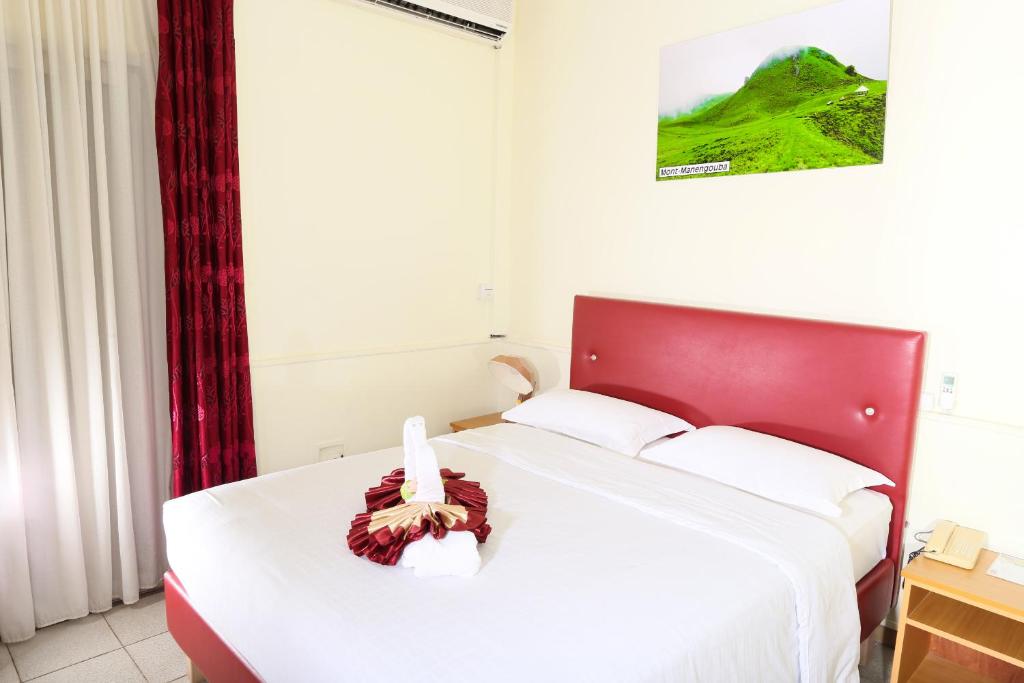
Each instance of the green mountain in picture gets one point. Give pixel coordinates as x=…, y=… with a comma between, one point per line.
x=800, y=109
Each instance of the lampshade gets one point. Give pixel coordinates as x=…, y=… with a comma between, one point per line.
x=514, y=373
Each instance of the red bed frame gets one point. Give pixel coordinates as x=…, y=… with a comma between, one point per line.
x=848, y=389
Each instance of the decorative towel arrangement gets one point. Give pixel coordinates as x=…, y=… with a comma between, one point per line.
x=457, y=491
x=430, y=519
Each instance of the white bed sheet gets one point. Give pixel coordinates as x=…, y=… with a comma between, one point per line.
x=864, y=523
x=579, y=580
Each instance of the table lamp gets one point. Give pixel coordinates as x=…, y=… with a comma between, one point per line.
x=514, y=373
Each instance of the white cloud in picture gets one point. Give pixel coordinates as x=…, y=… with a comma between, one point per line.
x=854, y=32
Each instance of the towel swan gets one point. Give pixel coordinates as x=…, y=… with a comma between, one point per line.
x=452, y=510
x=455, y=553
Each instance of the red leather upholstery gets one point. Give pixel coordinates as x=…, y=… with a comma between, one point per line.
x=218, y=661
x=875, y=596
x=805, y=380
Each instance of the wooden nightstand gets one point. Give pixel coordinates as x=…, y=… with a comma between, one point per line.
x=476, y=422
x=959, y=625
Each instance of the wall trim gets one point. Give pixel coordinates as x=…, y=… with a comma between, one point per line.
x=966, y=421
x=344, y=354
x=535, y=344
x=973, y=422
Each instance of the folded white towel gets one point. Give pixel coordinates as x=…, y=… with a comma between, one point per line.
x=456, y=553
x=421, y=463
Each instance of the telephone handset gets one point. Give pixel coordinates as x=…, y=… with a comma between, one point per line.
x=955, y=545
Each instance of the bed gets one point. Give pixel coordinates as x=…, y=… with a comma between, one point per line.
x=599, y=567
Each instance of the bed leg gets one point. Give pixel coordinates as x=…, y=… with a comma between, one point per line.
x=194, y=674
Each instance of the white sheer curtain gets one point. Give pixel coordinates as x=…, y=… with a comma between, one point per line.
x=84, y=439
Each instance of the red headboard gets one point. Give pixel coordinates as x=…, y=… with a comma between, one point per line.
x=809, y=381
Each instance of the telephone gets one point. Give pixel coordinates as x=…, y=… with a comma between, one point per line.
x=955, y=545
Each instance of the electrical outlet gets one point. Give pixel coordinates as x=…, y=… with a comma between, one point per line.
x=330, y=451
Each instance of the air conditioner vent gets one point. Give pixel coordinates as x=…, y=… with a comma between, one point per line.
x=490, y=19
x=499, y=9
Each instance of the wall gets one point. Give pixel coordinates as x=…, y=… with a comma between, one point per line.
x=930, y=240
x=377, y=195
x=368, y=158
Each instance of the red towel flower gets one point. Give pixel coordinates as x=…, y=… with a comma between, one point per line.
x=389, y=523
x=382, y=535
x=457, y=490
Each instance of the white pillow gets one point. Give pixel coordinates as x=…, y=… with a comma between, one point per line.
x=615, y=424
x=768, y=466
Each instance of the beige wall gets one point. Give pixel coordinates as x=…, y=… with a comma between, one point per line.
x=932, y=239
x=389, y=167
x=367, y=145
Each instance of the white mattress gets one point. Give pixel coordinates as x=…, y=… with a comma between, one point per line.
x=865, y=525
x=599, y=568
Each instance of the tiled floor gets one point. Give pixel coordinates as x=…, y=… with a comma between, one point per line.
x=879, y=665
x=128, y=644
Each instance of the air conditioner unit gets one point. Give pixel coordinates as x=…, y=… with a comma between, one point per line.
x=490, y=19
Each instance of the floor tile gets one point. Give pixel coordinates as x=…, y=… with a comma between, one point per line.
x=63, y=644
x=879, y=664
x=159, y=657
x=887, y=657
x=113, y=667
x=7, y=672
x=145, y=619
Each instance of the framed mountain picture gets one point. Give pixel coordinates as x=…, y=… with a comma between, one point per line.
x=802, y=91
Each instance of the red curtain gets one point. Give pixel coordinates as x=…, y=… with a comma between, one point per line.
x=207, y=343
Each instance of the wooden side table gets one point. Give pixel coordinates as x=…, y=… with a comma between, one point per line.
x=476, y=422
x=959, y=625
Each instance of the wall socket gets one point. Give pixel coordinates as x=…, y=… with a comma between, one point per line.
x=330, y=451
